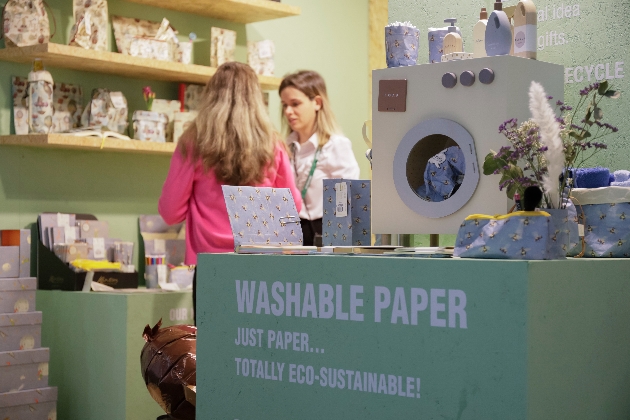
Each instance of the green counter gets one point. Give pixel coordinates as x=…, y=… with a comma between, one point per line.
x=384, y=337
x=95, y=341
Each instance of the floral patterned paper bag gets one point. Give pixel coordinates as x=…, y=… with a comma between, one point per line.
x=106, y=110
x=90, y=27
x=68, y=105
x=19, y=91
x=25, y=23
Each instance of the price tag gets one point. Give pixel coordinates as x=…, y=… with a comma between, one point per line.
x=265, y=49
x=63, y=219
x=341, y=199
x=98, y=245
x=581, y=230
x=70, y=234
x=118, y=100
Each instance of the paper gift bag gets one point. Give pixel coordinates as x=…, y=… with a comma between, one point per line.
x=347, y=212
x=19, y=92
x=90, y=25
x=106, y=109
x=25, y=23
x=128, y=29
x=222, y=46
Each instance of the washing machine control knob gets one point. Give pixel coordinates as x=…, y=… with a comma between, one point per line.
x=467, y=78
x=486, y=76
x=449, y=80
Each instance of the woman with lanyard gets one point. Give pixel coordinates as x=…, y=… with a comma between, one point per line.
x=319, y=150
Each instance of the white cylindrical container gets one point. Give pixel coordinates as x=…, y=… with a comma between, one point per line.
x=479, y=35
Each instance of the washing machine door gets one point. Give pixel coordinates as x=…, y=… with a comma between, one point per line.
x=429, y=174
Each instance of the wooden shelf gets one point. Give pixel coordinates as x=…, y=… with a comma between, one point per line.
x=65, y=56
x=64, y=141
x=240, y=11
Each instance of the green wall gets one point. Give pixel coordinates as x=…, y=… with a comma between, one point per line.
x=330, y=37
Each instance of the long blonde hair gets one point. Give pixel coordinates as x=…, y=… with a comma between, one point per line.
x=233, y=135
x=312, y=84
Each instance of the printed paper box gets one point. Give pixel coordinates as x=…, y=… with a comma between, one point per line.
x=24, y=369
x=170, y=109
x=20, y=331
x=9, y=261
x=22, y=239
x=222, y=46
x=349, y=224
x=183, y=120
x=260, y=57
x=35, y=404
x=17, y=295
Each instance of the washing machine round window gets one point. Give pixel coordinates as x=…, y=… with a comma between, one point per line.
x=435, y=168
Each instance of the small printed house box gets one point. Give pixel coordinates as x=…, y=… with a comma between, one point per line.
x=347, y=211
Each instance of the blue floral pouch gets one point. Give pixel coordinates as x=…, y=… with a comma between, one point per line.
x=518, y=236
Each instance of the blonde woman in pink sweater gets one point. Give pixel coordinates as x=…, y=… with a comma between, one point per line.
x=232, y=142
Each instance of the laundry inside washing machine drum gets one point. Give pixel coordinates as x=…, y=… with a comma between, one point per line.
x=443, y=175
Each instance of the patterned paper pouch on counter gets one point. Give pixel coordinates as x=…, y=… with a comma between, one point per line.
x=520, y=235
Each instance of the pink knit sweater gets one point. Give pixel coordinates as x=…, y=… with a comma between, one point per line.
x=194, y=195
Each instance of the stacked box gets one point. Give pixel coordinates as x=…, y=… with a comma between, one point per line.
x=26, y=369
x=24, y=391
x=17, y=295
x=33, y=404
x=20, y=331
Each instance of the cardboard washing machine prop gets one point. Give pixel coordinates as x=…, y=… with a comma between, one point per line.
x=432, y=126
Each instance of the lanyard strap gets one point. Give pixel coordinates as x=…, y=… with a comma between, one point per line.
x=311, y=172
